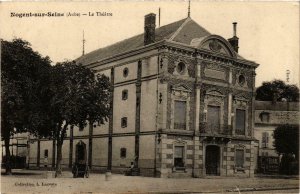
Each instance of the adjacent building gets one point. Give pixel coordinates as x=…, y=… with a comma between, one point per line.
x=268, y=116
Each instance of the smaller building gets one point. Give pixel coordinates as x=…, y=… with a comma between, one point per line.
x=268, y=116
x=18, y=150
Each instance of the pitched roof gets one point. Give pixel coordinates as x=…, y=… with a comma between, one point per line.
x=182, y=31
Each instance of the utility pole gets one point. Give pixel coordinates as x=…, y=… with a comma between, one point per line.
x=83, y=42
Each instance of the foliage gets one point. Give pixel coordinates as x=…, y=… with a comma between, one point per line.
x=286, y=139
x=78, y=97
x=277, y=90
x=24, y=74
x=46, y=100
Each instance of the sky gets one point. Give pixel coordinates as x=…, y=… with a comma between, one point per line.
x=268, y=31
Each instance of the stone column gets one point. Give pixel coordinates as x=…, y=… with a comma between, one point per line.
x=138, y=114
x=196, y=155
x=230, y=113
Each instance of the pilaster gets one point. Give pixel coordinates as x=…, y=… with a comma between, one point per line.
x=111, y=116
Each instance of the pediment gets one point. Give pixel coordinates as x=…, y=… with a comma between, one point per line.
x=214, y=43
x=214, y=93
x=181, y=87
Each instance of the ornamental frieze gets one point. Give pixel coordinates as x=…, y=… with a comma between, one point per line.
x=214, y=72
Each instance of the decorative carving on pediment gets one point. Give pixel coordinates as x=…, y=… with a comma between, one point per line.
x=182, y=87
x=245, y=96
x=179, y=140
x=240, y=146
x=214, y=93
x=215, y=46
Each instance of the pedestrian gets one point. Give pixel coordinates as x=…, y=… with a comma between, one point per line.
x=46, y=162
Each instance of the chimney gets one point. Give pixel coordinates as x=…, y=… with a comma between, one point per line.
x=149, y=34
x=234, y=41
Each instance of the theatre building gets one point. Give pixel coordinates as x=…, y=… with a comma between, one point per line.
x=182, y=106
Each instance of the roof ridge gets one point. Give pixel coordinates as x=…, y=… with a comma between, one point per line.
x=180, y=28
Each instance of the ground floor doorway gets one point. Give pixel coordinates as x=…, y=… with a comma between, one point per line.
x=212, y=160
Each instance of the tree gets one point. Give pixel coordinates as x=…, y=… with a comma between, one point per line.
x=78, y=97
x=277, y=90
x=23, y=75
x=286, y=143
x=286, y=139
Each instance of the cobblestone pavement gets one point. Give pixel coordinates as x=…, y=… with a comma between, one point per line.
x=26, y=181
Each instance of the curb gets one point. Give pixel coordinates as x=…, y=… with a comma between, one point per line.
x=220, y=191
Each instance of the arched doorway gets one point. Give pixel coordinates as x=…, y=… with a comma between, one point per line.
x=80, y=153
x=212, y=160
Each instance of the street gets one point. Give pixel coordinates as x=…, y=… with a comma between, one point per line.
x=33, y=181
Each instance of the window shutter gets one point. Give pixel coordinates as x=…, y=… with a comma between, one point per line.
x=267, y=139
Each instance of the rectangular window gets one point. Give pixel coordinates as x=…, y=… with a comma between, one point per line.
x=239, y=158
x=213, y=117
x=265, y=140
x=178, y=156
x=180, y=115
x=123, y=152
x=46, y=153
x=124, y=94
x=124, y=122
x=240, y=121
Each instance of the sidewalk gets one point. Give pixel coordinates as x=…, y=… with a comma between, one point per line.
x=34, y=181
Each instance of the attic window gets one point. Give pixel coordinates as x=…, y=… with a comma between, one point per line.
x=125, y=72
x=264, y=117
x=181, y=67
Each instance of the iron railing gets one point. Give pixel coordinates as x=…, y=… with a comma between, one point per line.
x=215, y=129
x=179, y=125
